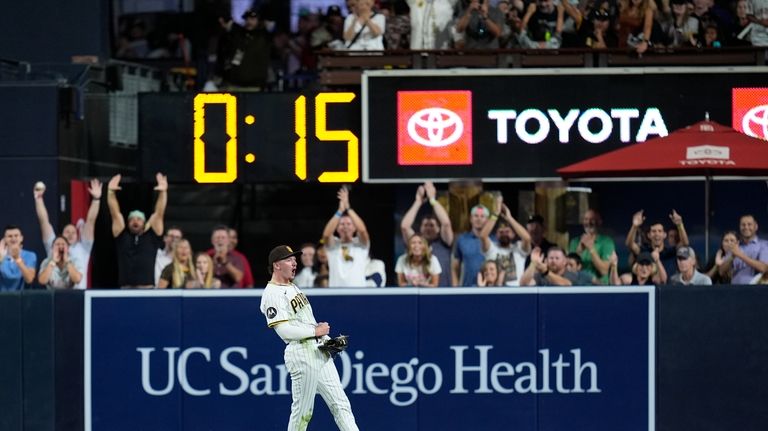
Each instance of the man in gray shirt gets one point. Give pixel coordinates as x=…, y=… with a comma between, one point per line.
x=686, y=265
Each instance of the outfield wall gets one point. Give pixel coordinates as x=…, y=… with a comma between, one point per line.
x=529, y=359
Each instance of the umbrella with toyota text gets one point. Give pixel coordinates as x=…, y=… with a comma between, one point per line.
x=706, y=149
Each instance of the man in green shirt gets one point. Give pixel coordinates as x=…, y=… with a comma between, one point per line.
x=595, y=249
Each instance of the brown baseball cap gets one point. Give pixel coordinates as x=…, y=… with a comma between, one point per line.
x=281, y=252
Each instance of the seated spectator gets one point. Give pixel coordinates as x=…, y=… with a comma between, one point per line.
x=552, y=271
x=646, y=268
x=59, y=271
x=306, y=277
x=721, y=271
x=418, y=267
x=321, y=266
x=687, y=272
x=165, y=255
x=512, y=245
x=180, y=273
x=247, y=273
x=573, y=264
x=227, y=266
x=375, y=273
x=709, y=13
x=17, y=266
x=481, y=24
x=636, y=24
x=430, y=23
x=711, y=37
x=80, y=240
x=681, y=28
x=490, y=275
x=364, y=29
x=750, y=256
x=138, y=241
x=204, y=278
x=542, y=25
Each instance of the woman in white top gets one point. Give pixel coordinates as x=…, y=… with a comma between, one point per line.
x=372, y=25
x=417, y=267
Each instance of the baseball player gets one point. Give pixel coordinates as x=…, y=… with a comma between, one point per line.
x=288, y=311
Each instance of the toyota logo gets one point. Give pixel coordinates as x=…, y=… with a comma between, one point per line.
x=755, y=122
x=430, y=126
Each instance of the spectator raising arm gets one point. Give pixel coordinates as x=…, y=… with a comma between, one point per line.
x=46, y=230
x=637, y=220
x=330, y=227
x=446, y=230
x=333, y=223
x=485, y=232
x=87, y=233
x=156, y=219
x=677, y=219
x=406, y=224
x=537, y=265
x=118, y=222
x=520, y=230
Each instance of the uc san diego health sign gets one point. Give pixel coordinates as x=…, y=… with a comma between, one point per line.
x=420, y=359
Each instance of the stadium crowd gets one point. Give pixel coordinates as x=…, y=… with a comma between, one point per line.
x=261, y=52
x=497, y=250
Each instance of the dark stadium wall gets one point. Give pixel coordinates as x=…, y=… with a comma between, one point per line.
x=28, y=153
x=49, y=31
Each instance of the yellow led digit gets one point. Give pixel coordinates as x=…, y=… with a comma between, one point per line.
x=353, y=172
x=300, y=127
x=230, y=104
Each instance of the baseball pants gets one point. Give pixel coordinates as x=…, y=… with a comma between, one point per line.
x=313, y=372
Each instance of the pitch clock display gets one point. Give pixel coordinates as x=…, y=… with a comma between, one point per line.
x=250, y=137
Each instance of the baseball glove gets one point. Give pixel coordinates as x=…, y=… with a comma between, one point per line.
x=334, y=346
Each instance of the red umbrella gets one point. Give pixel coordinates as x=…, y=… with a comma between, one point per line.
x=703, y=149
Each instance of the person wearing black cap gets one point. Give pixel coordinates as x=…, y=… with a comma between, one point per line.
x=645, y=270
x=246, y=52
x=289, y=313
x=331, y=33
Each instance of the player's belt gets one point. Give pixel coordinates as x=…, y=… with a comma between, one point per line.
x=308, y=339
